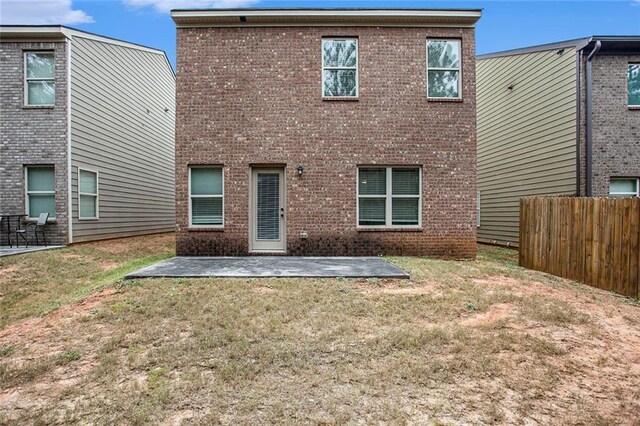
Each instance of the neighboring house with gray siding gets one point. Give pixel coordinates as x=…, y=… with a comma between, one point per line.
x=560, y=118
x=86, y=133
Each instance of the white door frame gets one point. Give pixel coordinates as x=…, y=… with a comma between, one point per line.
x=267, y=246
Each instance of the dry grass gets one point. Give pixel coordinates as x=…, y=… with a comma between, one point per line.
x=462, y=342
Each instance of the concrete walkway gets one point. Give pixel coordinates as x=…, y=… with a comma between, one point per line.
x=12, y=251
x=271, y=266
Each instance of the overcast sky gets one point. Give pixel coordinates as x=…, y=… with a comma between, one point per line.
x=504, y=25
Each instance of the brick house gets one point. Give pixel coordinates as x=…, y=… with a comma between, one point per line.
x=86, y=134
x=326, y=132
x=560, y=118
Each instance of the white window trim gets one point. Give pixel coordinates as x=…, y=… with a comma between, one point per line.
x=629, y=66
x=356, y=67
x=459, y=69
x=478, y=209
x=203, y=166
x=27, y=192
x=625, y=194
x=389, y=198
x=27, y=79
x=96, y=195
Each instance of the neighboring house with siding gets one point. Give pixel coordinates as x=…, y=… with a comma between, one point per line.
x=326, y=132
x=560, y=118
x=86, y=133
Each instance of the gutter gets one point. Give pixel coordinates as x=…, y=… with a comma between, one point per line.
x=589, y=126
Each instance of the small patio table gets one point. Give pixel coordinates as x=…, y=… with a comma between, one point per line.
x=8, y=218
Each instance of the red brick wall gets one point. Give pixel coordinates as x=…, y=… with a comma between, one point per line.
x=253, y=96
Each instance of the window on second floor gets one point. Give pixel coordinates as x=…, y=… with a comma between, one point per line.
x=39, y=76
x=623, y=187
x=443, y=69
x=633, y=85
x=339, y=67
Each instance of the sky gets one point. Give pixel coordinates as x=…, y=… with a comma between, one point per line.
x=504, y=24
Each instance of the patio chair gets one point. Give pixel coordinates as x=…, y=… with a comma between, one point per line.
x=36, y=227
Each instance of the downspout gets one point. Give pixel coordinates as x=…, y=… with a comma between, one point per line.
x=578, y=120
x=69, y=187
x=588, y=110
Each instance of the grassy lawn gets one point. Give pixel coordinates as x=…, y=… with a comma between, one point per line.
x=460, y=343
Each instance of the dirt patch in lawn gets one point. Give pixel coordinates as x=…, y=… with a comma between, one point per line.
x=39, y=328
x=121, y=245
x=500, y=311
x=7, y=273
x=392, y=287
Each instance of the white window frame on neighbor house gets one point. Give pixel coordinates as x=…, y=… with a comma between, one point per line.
x=27, y=193
x=27, y=79
x=478, y=209
x=96, y=195
x=625, y=194
x=357, y=95
x=459, y=69
x=389, y=197
x=204, y=166
x=629, y=65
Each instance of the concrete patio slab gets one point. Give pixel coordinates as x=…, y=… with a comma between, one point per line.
x=13, y=251
x=271, y=266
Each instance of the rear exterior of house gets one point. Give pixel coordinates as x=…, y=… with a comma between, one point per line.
x=326, y=132
x=87, y=133
x=561, y=118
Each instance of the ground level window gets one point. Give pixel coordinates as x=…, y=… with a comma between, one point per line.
x=206, y=196
x=624, y=187
x=41, y=194
x=87, y=194
x=389, y=196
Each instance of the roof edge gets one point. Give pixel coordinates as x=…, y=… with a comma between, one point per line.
x=36, y=31
x=11, y=33
x=330, y=17
x=578, y=43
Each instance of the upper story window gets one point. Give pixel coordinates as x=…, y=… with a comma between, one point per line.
x=633, y=85
x=41, y=191
x=39, y=75
x=443, y=69
x=339, y=67
x=624, y=187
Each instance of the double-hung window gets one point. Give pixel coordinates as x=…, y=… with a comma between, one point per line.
x=443, y=69
x=633, y=85
x=389, y=196
x=87, y=194
x=41, y=194
x=206, y=197
x=39, y=75
x=624, y=187
x=339, y=67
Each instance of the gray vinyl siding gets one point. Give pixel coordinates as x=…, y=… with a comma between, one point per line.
x=526, y=135
x=119, y=128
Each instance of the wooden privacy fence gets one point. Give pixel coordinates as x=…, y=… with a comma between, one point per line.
x=595, y=240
